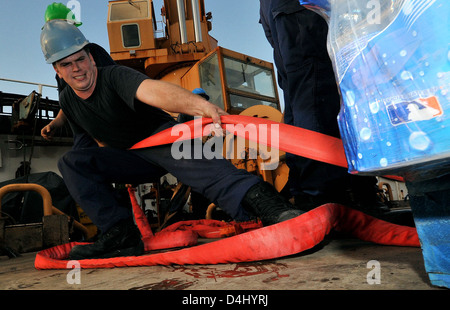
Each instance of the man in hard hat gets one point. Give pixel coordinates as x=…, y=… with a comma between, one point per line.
x=118, y=107
x=58, y=11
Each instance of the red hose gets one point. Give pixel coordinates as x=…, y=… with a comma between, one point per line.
x=184, y=233
x=282, y=239
x=314, y=145
x=286, y=238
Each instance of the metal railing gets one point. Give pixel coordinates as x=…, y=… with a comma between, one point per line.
x=39, y=85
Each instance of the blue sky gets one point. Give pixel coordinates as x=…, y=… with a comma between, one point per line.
x=235, y=26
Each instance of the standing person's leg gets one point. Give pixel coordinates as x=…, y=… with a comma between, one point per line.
x=314, y=103
x=314, y=99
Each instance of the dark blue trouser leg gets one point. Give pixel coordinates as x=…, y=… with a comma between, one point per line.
x=89, y=172
x=217, y=180
x=314, y=100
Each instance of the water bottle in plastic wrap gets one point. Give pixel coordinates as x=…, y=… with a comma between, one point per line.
x=392, y=64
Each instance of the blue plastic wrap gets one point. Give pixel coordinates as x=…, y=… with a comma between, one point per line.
x=392, y=64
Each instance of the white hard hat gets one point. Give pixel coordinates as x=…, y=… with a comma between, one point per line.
x=60, y=39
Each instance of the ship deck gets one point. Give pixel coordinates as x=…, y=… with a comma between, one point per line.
x=338, y=263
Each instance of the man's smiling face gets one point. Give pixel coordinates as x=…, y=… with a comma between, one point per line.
x=79, y=72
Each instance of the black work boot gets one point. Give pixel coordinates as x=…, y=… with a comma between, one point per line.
x=122, y=239
x=262, y=200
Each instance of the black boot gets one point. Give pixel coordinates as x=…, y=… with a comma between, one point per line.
x=122, y=239
x=263, y=201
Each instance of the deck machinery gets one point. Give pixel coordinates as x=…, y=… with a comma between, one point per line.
x=179, y=49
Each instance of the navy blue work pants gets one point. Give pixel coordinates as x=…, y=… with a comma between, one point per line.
x=89, y=172
x=312, y=101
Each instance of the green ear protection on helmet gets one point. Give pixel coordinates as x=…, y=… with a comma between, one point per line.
x=60, y=39
x=60, y=11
